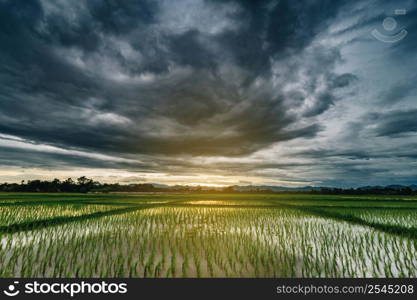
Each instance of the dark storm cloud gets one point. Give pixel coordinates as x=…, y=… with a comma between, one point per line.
x=395, y=123
x=399, y=92
x=113, y=77
x=158, y=83
x=28, y=158
x=321, y=153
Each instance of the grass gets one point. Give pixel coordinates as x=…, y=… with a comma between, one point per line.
x=207, y=235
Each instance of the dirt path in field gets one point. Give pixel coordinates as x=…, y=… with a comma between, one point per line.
x=391, y=229
x=319, y=210
x=48, y=222
x=316, y=210
x=32, y=225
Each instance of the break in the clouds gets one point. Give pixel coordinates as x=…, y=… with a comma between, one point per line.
x=206, y=91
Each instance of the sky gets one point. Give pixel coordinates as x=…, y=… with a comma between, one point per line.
x=209, y=92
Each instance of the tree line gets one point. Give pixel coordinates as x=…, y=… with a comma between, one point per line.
x=88, y=185
x=80, y=185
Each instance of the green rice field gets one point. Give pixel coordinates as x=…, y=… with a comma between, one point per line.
x=207, y=235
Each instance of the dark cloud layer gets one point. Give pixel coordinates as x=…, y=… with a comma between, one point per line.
x=64, y=90
x=177, y=79
x=394, y=123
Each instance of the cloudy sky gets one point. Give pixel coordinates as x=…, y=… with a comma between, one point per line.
x=214, y=92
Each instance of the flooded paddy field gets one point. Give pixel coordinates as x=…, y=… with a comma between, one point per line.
x=207, y=235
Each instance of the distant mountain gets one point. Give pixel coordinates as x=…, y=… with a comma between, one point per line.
x=392, y=186
x=88, y=185
x=160, y=186
x=274, y=188
x=260, y=188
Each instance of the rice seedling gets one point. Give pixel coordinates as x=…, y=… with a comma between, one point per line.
x=206, y=237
